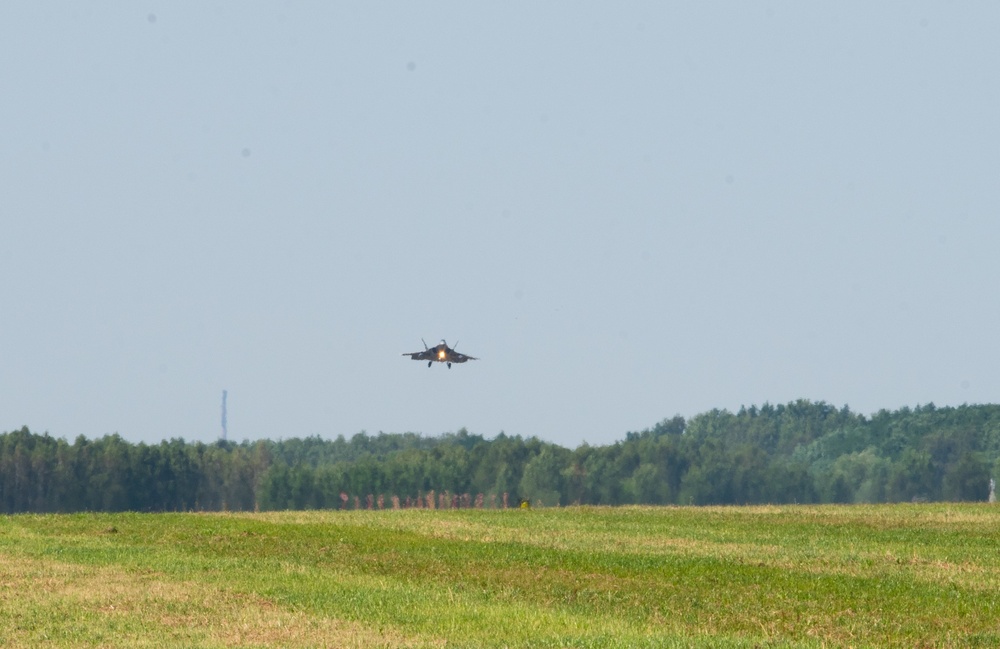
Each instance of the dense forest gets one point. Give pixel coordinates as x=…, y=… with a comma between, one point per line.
x=806, y=452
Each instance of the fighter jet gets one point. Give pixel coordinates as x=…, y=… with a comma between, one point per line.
x=439, y=353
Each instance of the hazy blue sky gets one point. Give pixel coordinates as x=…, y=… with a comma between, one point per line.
x=627, y=210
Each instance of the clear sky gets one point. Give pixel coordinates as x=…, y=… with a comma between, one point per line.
x=627, y=210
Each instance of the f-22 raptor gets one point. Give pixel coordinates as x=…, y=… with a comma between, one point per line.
x=439, y=354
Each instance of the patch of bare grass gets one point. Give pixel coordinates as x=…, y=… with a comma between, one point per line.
x=81, y=605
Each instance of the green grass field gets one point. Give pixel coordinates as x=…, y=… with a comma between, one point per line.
x=897, y=575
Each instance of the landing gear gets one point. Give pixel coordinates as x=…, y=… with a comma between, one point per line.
x=429, y=363
x=449, y=366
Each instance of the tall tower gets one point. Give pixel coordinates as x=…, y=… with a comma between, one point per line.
x=224, y=432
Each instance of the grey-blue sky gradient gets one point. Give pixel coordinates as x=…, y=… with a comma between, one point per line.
x=627, y=210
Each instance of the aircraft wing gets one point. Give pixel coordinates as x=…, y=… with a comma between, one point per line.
x=426, y=355
x=461, y=358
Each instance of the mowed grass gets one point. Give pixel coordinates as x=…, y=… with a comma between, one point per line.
x=863, y=576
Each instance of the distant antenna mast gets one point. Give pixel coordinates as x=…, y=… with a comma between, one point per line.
x=224, y=431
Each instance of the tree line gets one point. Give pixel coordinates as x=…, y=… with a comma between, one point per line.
x=805, y=452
